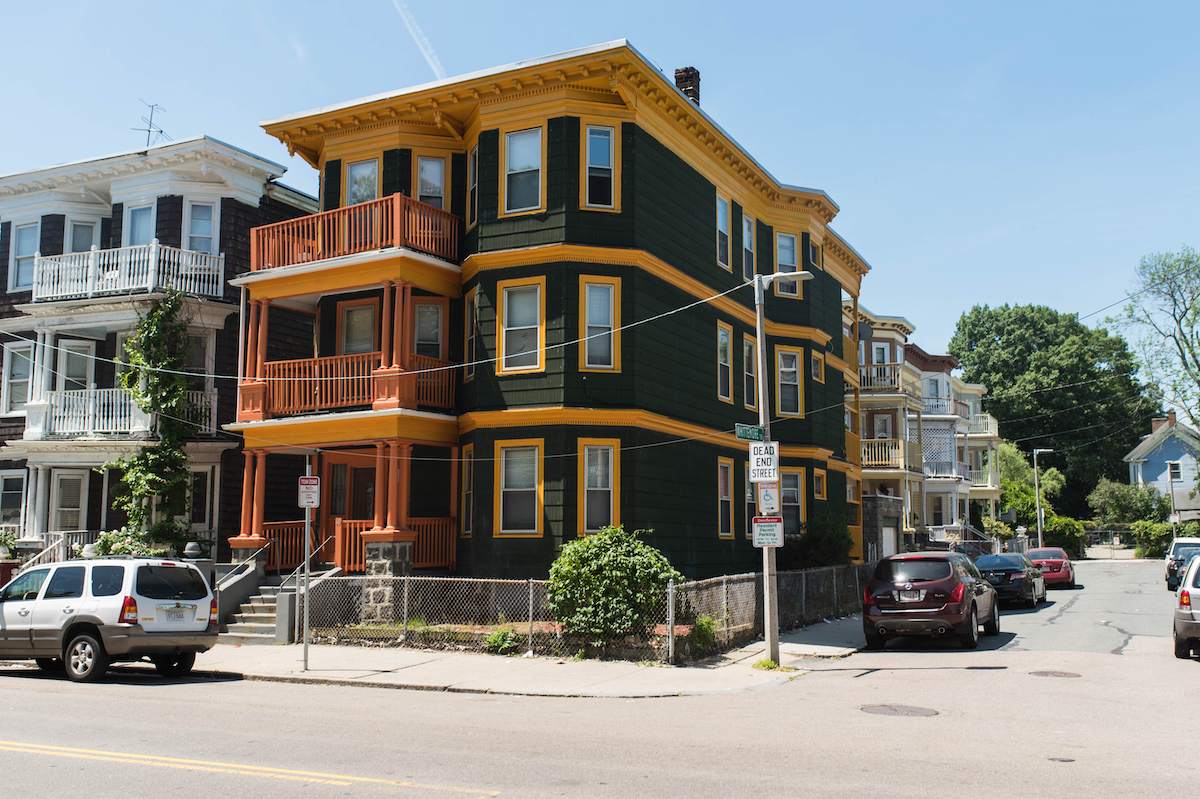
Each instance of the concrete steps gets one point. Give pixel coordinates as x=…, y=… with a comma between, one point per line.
x=254, y=623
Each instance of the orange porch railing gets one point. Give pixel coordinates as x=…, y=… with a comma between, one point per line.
x=436, y=543
x=349, y=553
x=435, y=383
x=313, y=384
x=287, y=544
x=395, y=221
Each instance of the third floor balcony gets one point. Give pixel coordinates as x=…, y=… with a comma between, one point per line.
x=945, y=406
x=124, y=270
x=887, y=378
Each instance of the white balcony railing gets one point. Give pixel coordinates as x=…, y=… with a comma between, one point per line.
x=946, y=406
x=147, y=267
x=982, y=478
x=946, y=469
x=109, y=411
x=984, y=424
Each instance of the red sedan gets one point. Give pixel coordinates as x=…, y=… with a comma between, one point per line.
x=1055, y=565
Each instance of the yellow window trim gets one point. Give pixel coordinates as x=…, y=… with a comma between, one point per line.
x=615, y=126
x=429, y=152
x=824, y=484
x=753, y=342
x=818, y=359
x=750, y=501
x=728, y=329
x=521, y=127
x=498, y=472
x=717, y=237
x=799, y=353
x=732, y=533
x=803, y=504
x=471, y=301
x=501, y=287
x=775, y=287
x=583, y=444
x=468, y=457
x=615, y=282
x=473, y=147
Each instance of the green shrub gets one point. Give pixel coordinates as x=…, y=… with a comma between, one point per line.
x=825, y=541
x=502, y=641
x=704, y=634
x=609, y=585
x=1065, y=532
x=1152, y=538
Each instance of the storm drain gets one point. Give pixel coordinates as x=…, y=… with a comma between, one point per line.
x=1054, y=674
x=899, y=710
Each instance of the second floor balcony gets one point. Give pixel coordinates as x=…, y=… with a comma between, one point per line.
x=395, y=221
x=106, y=412
x=124, y=270
x=947, y=469
x=309, y=385
x=886, y=377
x=984, y=424
x=891, y=453
x=945, y=406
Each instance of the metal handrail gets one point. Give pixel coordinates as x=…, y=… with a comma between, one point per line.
x=295, y=573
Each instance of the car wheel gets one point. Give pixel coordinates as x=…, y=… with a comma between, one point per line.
x=969, y=637
x=86, y=660
x=1071, y=583
x=174, y=665
x=875, y=641
x=49, y=664
x=1183, y=647
x=992, y=627
x=1033, y=600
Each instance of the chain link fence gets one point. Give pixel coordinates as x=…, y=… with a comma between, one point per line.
x=689, y=621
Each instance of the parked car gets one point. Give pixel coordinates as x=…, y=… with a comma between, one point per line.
x=1014, y=577
x=1175, y=564
x=1056, y=566
x=1176, y=544
x=85, y=614
x=928, y=593
x=1186, y=630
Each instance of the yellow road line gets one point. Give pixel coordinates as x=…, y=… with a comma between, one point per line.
x=225, y=768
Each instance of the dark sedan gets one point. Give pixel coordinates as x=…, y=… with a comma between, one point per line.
x=1014, y=577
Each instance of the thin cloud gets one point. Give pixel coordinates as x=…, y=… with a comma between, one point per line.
x=418, y=36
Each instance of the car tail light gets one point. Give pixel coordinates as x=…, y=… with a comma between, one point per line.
x=1185, y=599
x=129, y=611
x=1015, y=576
x=867, y=598
x=957, y=594
x=212, y=612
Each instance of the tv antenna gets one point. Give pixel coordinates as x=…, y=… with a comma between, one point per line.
x=150, y=129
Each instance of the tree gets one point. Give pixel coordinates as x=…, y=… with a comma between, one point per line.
x=1120, y=503
x=1163, y=315
x=1015, y=466
x=1055, y=383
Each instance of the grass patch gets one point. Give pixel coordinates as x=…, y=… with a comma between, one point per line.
x=766, y=664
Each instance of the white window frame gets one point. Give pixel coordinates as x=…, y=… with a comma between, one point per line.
x=589, y=490
x=209, y=473
x=64, y=347
x=208, y=340
x=8, y=474
x=55, y=476
x=471, y=321
x=750, y=372
x=725, y=497
x=127, y=227
x=723, y=206
x=506, y=328
x=441, y=197
x=441, y=338
x=12, y=261
x=504, y=451
x=1174, y=466
x=597, y=332
x=611, y=168
x=747, y=246
x=797, y=382
x=508, y=208
x=6, y=390
x=790, y=288
x=473, y=186
x=726, y=365
x=69, y=239
x=468, y=491
x=215, y=239
x=348, y=184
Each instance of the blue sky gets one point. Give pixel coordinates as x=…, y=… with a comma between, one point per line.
x=1008, y=153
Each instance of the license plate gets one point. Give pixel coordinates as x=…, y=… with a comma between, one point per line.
x=174, y=615
x=911, y=596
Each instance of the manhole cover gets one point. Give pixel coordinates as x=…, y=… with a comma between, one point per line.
x=1054, y=674
x=899, y=710
x=1061, y=759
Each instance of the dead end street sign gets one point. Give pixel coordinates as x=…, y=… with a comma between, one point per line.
x=764, y=462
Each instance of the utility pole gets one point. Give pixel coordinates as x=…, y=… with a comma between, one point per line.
x=1037, y=493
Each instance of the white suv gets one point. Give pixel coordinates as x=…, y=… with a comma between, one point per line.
x=85, y=614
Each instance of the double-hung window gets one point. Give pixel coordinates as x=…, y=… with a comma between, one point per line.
x=522, y=318
x=18, y=370
x=598, y=484
x=523, y=171
x=724, y=362
x=785, y=254
x=83, y=236
x=518, y=470
x=723, y=232
x=23, y=254
x=362, y=182
x=1174, y=472
x=200, y=499
x=141, y=226
x=428, y=338
x=725, y=497
x=599, y=311
x=791, y=485
x=12, y=498
x=600, y=161
x=473, y=187
x=357, y=328
x=747, y=246
x=200, y=227
x=468, y=489
x=789, y=383
x=469, y=339
x=750, y=375
x=431, y=181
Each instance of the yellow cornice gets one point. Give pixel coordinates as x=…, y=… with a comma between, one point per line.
x=604, y=417
x=640, y=259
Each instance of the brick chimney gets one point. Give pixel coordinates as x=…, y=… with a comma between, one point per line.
x=688, y=82
x=1159, y=421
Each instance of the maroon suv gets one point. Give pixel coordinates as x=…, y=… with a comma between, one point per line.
x=928, y=593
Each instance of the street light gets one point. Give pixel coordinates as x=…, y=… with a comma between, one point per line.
x=1037, y=493
x=770, y=584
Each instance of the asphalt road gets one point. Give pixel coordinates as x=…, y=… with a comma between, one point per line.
x=1081, y=697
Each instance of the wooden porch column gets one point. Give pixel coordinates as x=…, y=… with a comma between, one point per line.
x=385, y=329
x=402, y=492
x=398, y=324
x=381, y=486
x=260, y=491
x=263, y=316
x=394, y=492
x=247, y=496
x=250, y=362
x=405, y=358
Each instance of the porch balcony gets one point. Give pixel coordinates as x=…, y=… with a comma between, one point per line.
x=984, y=424
x=888, y=377
x=891, y=453
x=395, y=221
x=148, y=267
x=84, y=413
x=984, y=478
x=434, y=546
x=945, y=406
x=947, y=469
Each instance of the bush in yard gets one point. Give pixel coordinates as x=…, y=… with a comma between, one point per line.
x=609, y=585
x=825, y=541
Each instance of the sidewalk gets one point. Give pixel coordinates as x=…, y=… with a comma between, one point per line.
x=469, y=672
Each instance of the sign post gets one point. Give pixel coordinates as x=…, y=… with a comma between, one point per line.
x=310, y=497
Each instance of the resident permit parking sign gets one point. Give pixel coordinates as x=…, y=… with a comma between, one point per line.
x=764, y=462
x=768, y=531
x=310, y=492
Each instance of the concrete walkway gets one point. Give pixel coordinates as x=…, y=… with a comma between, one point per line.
x=469, y=672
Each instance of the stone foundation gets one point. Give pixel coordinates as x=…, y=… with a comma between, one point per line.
x=385, y=560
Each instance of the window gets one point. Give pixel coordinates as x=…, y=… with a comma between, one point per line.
x=107, y=580
x=751, y=503
x=599, y=312
x=819, y=483
x=791, y=501
x=818, y=367
x=934, y=388
x=851, y=490
x=814, y=253
x=362, y=182
x=18, y=368
x=747, y=247
x=200, y=227
x=785, y=257
x=938, y=510
x=83, y=236
x=199, y=497
x=26, y=586
x=75, y=360
x=724, y=362
x=881, y=353
x=140, y=231
x=23, y=254
x=519, y=487
x=468, y=489
x=469, y=339
x=68, y=500
x=600, y=161
x=522, y=316
x=473, y=187
x=1175, y=471
x=356, y=321
x=749, y=373
x=523, y=171
x=67, y=583
x=789, y=396
x=431, y=181
x=723, y=232
x=599, y=484
x=428, y=338
x=725, y=497
x=12, y=498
